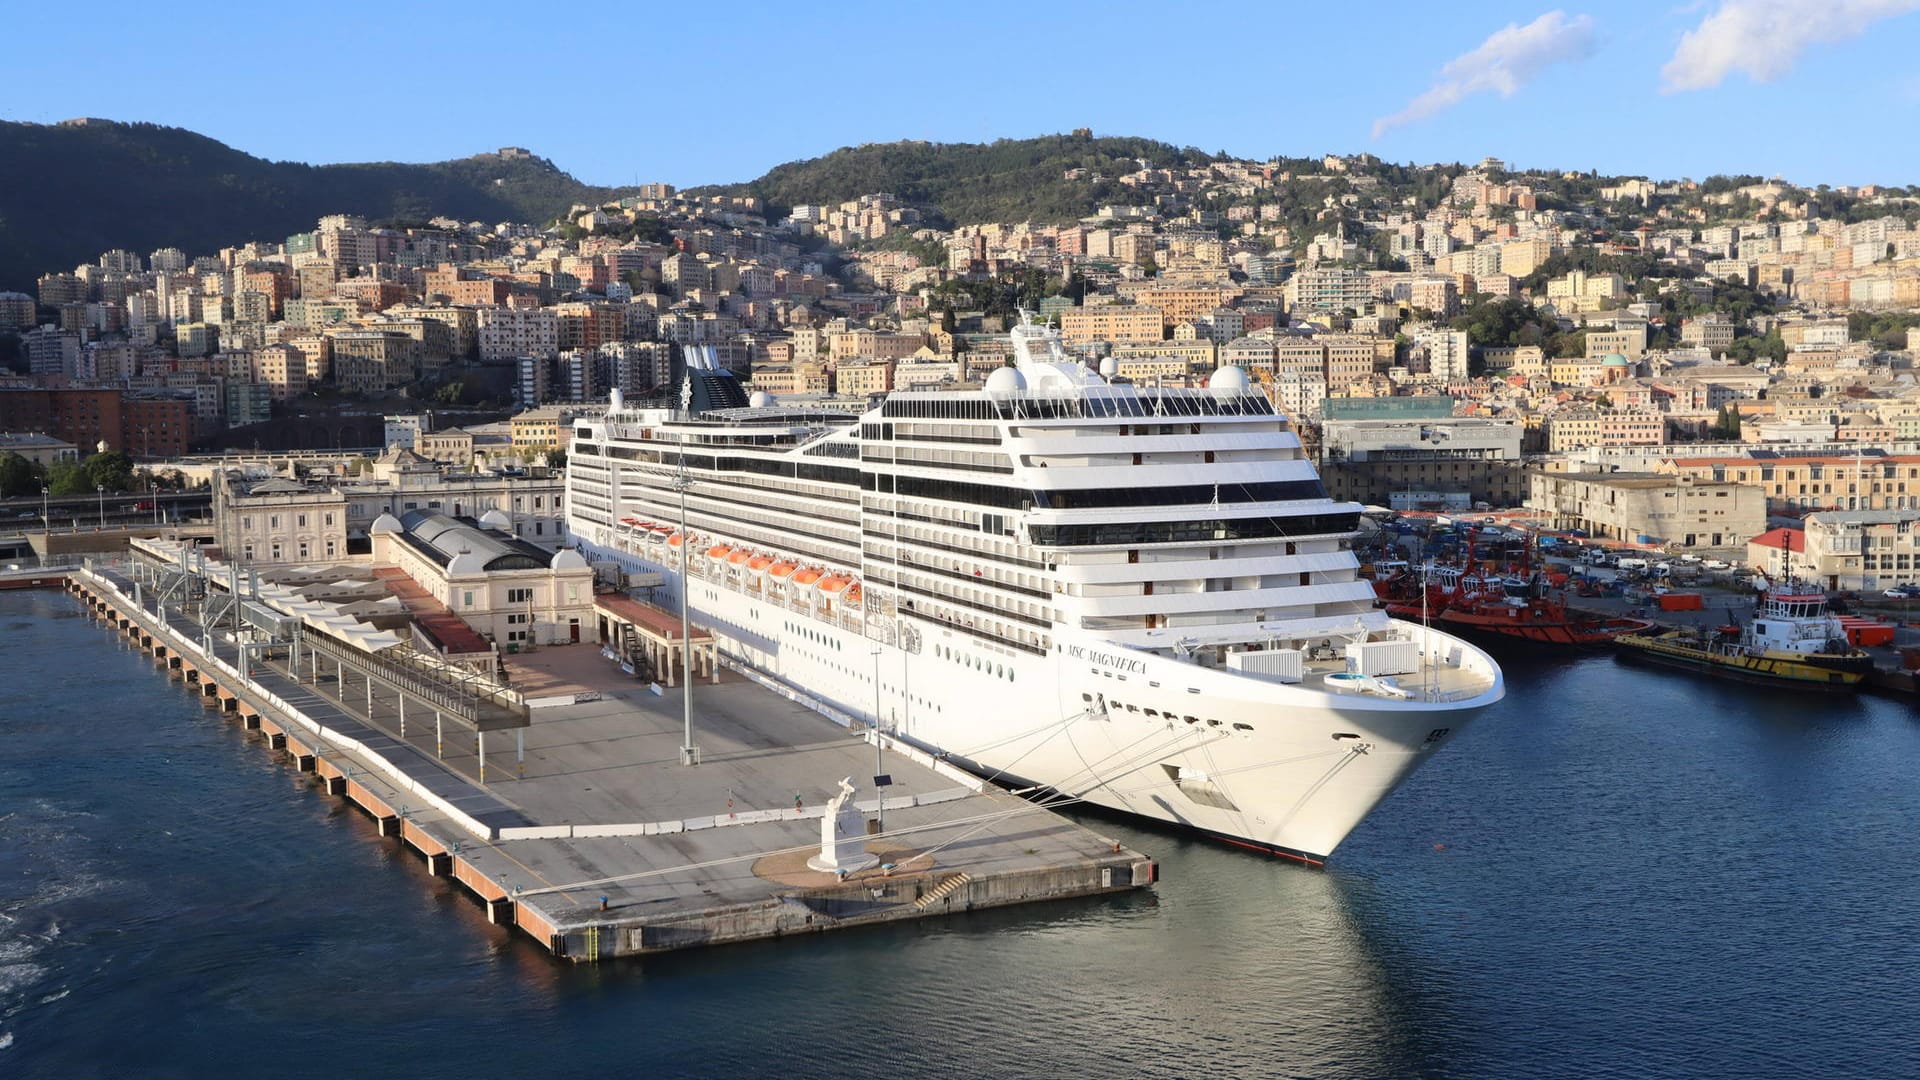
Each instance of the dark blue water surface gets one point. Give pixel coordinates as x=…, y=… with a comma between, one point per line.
x=1641, y=876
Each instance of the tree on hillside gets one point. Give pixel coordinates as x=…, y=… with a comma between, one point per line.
x=18, y=476
x=112, y=470
x=1726, y=424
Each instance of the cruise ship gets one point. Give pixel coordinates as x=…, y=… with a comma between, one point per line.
x=1138, y=597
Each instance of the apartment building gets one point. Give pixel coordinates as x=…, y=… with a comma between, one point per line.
x=1581, y=429
x=373, y=361
x=508, y=333
x=1650, y=507
x=1116, y=323
x=1814, y=480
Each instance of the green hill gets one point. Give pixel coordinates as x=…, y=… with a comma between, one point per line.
x=967, y=183
x=71, y=191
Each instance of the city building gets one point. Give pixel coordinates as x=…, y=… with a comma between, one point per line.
x=1373, y=461
x=1647, y=507
x=281, y=521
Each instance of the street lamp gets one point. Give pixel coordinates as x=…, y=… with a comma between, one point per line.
x=45, y=520
x=101, y=490
x=879, y=765
x=689, y=753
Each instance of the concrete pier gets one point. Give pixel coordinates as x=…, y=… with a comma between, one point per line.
x=585, y=830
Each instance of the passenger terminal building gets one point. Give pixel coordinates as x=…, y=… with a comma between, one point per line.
x=506, y=589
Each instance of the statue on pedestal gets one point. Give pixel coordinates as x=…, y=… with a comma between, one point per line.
x=843, y=842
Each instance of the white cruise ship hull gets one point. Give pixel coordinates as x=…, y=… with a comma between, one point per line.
x=1276, y=767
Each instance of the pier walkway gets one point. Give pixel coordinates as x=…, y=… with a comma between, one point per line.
x=596, y=840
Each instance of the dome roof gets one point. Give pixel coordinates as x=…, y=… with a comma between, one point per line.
x=1228, y=380
x=385, y=523
x=467, y=562
x=568, y=559
x=1616, y=360
x=1006, y=382
x=497, y=518
x=760, y=399
x=1109, y=367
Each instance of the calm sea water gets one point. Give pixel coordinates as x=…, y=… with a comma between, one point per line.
x=1641, y=876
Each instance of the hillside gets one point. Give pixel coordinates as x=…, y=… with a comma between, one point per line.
x=965, y=183
x=69, y=192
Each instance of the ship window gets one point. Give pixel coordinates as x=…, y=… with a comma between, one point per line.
x=1152, y=712
x=1191, y=719
x=1243, y=727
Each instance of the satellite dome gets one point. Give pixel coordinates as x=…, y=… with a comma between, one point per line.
x=497, y=519
x=1109, y=367
x=1006, y=382
x=760, y=399
x=568, y=559
x=1227, y=380
x=616, y=400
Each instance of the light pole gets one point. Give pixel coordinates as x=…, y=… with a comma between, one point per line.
x=689, y=754
x=879, y=765
x=101, y=491
x=45, y=520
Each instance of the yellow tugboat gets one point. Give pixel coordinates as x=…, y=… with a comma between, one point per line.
x=1793, y=641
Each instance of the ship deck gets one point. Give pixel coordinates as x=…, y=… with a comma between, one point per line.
x=1432, y=683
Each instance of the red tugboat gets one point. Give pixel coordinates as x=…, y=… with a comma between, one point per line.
x=1518, y=609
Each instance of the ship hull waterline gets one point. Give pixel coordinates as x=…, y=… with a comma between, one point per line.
x=1288, y=773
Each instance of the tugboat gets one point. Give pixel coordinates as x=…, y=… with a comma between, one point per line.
x=1509, y=609
x=1536, y=619
x=1793, y=641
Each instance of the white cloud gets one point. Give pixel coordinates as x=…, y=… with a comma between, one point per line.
x=1765, y=38
x=1503, y=63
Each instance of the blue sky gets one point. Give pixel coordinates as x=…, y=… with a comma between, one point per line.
x=1817, y=91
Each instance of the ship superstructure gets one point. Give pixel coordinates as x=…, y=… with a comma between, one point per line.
x=1137, y=596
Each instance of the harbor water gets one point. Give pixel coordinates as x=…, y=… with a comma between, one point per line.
x=1616, y=872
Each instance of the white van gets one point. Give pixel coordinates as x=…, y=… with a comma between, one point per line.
x=1628, y=562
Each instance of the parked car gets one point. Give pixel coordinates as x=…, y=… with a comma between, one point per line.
x=1717, y=564
x=1902, y=592
x=1689, y=557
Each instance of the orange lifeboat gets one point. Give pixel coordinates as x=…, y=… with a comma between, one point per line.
x=781, y=569
x=807, y=576
x=675, y=540
x=719, y=551
x=740, y=556
x=834, y=583
x=759, y=563
x=853, y=593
